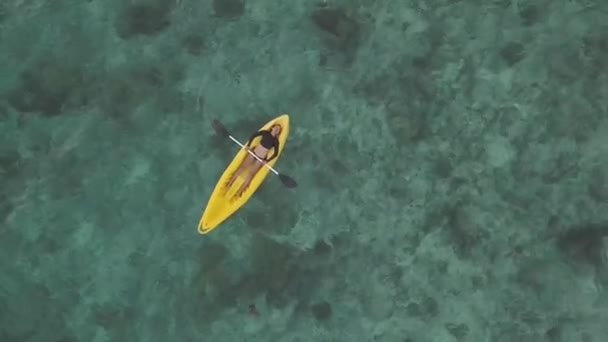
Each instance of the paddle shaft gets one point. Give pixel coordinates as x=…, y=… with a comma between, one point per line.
x=254, y=155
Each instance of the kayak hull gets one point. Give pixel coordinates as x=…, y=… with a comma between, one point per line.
x=223, y=201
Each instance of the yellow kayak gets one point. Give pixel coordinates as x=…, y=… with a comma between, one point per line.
x=223, y=201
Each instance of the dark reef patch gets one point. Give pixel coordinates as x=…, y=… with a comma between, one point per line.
x=598, y=185
x=512, y=53
x=119, y=94
x=462, y=230
x=321, y=311
x=276, y=271
x=530, y=14
x=342, y=31
x=48, y=87
x=116, y=320
x=143, y=19
x=584, y=243
x=194, y=43
x=6, y=207
x=228, y=9
x=459, y=331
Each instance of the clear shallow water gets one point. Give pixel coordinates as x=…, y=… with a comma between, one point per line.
x=451, y=160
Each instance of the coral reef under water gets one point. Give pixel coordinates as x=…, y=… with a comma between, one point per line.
x=451, y=158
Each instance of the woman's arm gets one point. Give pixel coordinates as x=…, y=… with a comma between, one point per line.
x=275, y=150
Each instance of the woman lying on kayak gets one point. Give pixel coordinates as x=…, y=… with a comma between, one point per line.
x=269, y=141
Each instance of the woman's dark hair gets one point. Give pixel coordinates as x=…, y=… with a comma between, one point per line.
x=276, y=125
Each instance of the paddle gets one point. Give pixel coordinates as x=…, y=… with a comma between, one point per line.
x=221, y=130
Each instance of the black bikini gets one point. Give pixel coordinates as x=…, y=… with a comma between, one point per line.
x=268, y=142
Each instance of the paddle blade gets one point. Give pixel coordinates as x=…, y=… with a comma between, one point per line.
x=288, y=181
x=219, y=128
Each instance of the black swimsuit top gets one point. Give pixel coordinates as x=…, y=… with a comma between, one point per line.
x=268, y=142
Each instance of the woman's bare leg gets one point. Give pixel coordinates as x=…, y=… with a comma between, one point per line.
x=244, y=165
x=254, y=169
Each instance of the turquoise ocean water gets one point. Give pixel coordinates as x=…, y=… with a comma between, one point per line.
x=452, y=161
